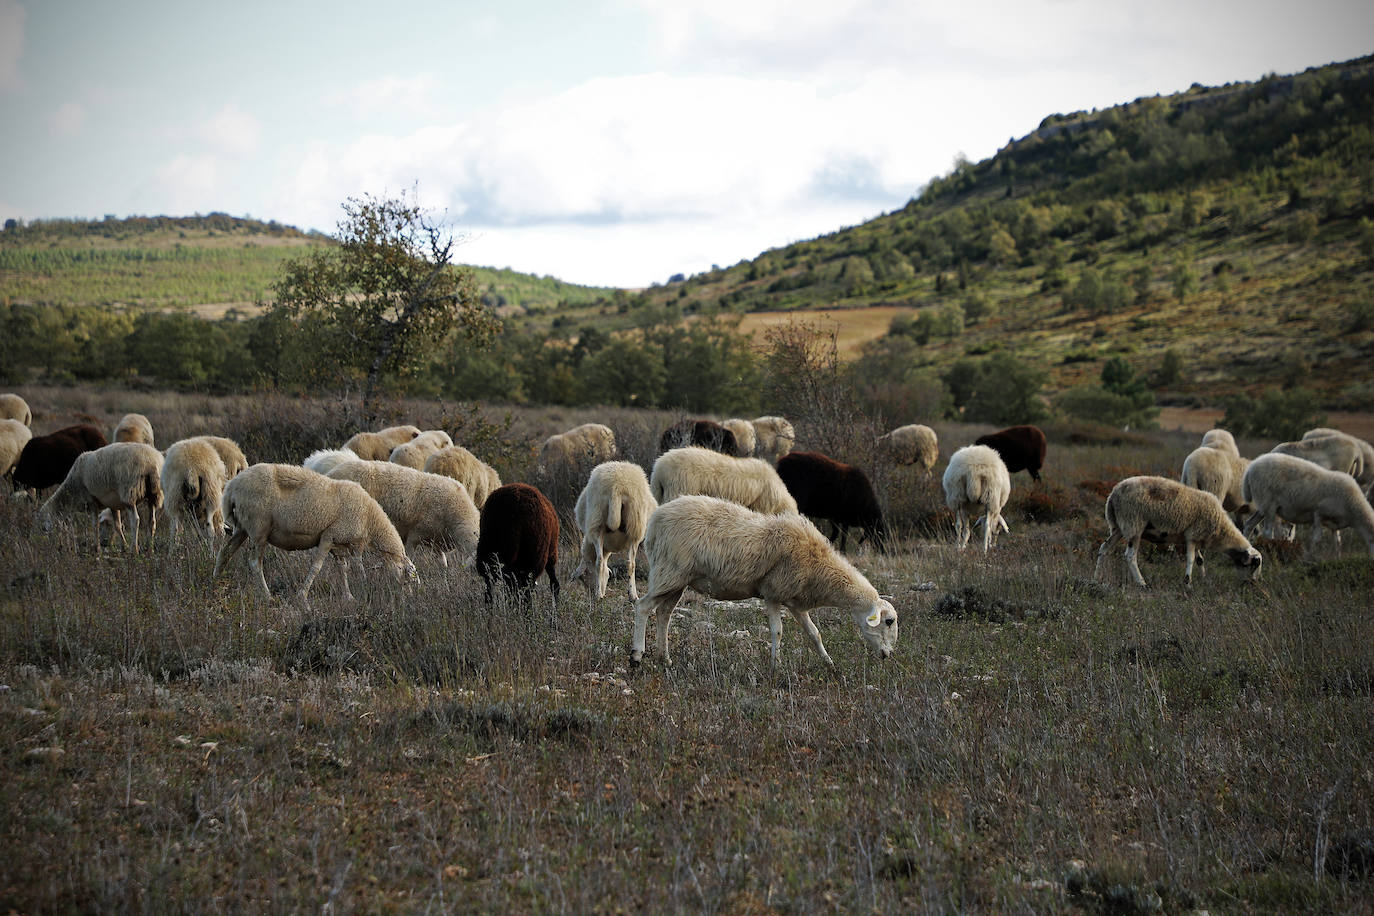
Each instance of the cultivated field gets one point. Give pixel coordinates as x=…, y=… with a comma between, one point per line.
x=1039, y=742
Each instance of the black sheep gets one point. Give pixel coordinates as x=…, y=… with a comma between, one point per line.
x=517, y=539
x=835, y=491
x=1022, y=448
x=45, y=460
x=705, y=433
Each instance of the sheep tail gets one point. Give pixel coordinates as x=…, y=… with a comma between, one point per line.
x=614, y=511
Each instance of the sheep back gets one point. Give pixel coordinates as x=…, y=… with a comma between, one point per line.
x=134, y=427
x=1337, y=453
x=45, y=460
x=324, y=460
x=1294, y=489
x=424, y=508
x=120, y=476
x=750, y=482
x=193, y=479
x=377, y=446
x=832, y=490
x=1022, y=448
x=773, y=437
x=229, y=453
x=588, y=444
x=702, y=433
x=1218, y=472
x=14, y=435
x=518, y=539
x=616, y=502
x=466, y=468
x=13, y=407
x=1220, y=440
x=746, y=440
x=911, y=444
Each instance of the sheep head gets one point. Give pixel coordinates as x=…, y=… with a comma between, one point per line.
x=1248, y=562
x=877, y=622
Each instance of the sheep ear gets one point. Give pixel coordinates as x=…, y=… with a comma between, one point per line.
x=874, y=619
x=888, y=598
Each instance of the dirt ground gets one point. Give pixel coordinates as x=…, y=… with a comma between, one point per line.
x=1201, y=419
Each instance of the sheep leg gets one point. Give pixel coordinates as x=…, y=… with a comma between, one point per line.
x=321, y=555
x=774, y=631
x=1132, y=549
x=1112, y=540
x=805, y=618
x=227, y=551
x=988, y=525
x=1190, y=552
x=630, y=563
x=133, y=523
x=1315, y=537
x=603, y=567
x=255, y=564
x=99, y=547
x=657, y=601
x=551, y=570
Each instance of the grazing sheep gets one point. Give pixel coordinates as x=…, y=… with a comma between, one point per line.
x=751, y=482
x=117, y=477
x=229, y=453
x=774, y=437
x=612, y=513
x=1217, y=471
x=45, y=460
x=911, y=444
x=14, y=435
x=13, y=407
x=377, y=446
x=518, y=540
x=1160, y=506
x=193, y=479
x=134, y=427
x=327, y=459
x=727, y=552
x=294, y=508
x=426, y=509
x=416, y=452
x=1282, y=486
x=582, y=446
x=1365, y=479
x=1335, y=453
x=463, y=466
x=746, y=440
x=1221, y=440
x=838, y=492
x=977, y=481
x=1022, y=448
x=702, y=433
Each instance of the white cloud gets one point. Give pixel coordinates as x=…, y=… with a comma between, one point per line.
x=190, y=184
x=12, y=20
x=68, y=119
x=231, y=130
x=412, y=94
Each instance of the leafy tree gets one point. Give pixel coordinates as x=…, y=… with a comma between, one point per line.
x=388, y=293
x=1184, y=279
x=1277, y=414
x=624, y=373
x=1000, y=389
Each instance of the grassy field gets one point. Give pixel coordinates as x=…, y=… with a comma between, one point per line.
x=1040, y=742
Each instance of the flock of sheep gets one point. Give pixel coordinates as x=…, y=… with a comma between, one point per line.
x=726, y=509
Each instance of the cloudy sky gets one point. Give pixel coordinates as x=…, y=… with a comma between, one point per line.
x=609, y=142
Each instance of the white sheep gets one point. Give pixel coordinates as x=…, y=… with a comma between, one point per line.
x=912, y=444
x=728, y=552
x=294, y=508
x=1298, y=491
x=1335, y=453
x=426, y=509
x=13, y=407
x=1171, y=509
x=579, y=447
x=121, y=476
x=14, y=435
x=193, y=478
x=229, y=453
x=377, y=446
x=325, y=460
x=134, y=427
x=1217, y=471
x=1366, y=477
x=746, y=439
x=1221, y=440
x=774, y=437
x=976, y=482
x=463, y=466
x=750, y=482
x=612, y=513
x=414, y=453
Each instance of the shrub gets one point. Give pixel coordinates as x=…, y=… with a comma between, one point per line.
x=1278, y=414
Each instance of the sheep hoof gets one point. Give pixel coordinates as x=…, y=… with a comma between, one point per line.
x=636, y=659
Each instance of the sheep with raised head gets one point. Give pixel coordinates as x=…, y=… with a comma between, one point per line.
x=324, y=460
x=1366, y=477
x=416, y=452
x=427, y=509
x=463, y=466
x=377, y=446
x=700, y=433
x=1217, y=471
x=518, y=540
x=837, y=492
x=1169, y=509
x=773, y=438
x=134, y=427
x=1221, y=440
x=118, y=477
x=13, y=407
x=612, y=512
x=729, y=553
x=45, y=460
x=750, y=482
x=911, y=444
x=977, y=482
x=746, y=440
x=229, y=453
x=14, y=435
x=1022, y=448
x=580, y=447
x=193, y=479
x=1298, y=491
x=294, y=508
x=1335, y=453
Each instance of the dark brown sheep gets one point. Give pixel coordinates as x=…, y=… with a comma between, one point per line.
x=517, y=539
x=45, y=460
x=835, y=491
x=705, y=433
x=1022, y=448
